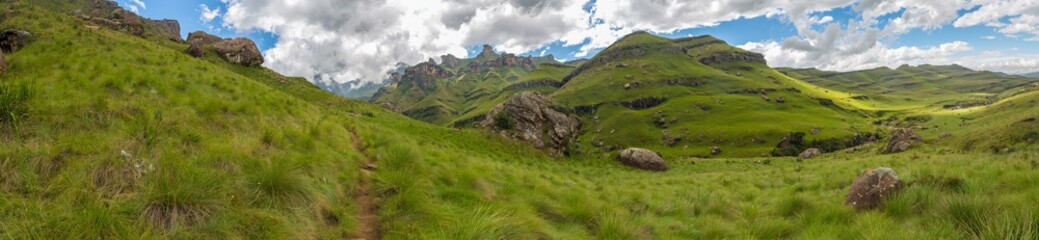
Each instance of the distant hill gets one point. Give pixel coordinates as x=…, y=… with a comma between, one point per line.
x=450, y=91
x=924, y=86
x=1034, y=75
x=352, y=89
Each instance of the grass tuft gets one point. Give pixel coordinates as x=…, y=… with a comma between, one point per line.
x=277, y=183
x=179, y=194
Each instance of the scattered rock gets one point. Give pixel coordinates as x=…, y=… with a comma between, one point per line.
x=810, y=153
x=945, y=135
x=716, y=150
x=13, y=39
x=826, y=102
x=780, y=100
x=240, y=51
x=815, y=131
x=901, y=140
x=790, y=145
x=642, y=159
x=529, y=116
x=870, y=190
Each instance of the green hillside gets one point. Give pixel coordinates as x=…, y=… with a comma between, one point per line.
x=701, y=93
x=924, y=86
x=107, y=135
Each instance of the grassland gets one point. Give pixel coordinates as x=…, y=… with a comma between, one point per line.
x=118, y=137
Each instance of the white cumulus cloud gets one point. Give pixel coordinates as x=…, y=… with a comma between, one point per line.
x=208, y=14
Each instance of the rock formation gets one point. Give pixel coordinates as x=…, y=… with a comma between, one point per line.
x=901, y=140
x=203, y=38
x=871, y=189
x=726, y=57
x=169, y=29
x=240, y=51
x=450, y=61
x=13, y=39
x=529, y=116
x=642, y=159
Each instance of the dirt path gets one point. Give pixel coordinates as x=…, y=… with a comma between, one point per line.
x=367, y=214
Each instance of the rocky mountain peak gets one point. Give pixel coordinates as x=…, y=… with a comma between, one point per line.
x=487, y=51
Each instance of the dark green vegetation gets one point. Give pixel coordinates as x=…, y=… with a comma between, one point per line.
x=121, y=137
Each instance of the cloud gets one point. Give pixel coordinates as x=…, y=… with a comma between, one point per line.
x=363, y=39
x=208, y=14
x=135, y=5
x=998, y=62
x=879, y=55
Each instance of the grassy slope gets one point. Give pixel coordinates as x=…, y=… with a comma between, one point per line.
x=924, y=86
x=707, y=115
x=224, y=127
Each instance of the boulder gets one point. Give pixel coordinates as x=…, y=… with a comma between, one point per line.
x=529, y=116
x=780, y=100
x=871, y=189
x=203, y=38
x=716, y=150
x=13, y=39
x=790, y=145
x=901, y=140
x=197, y=50
x=810, y=153
x=240, y=51
x=642, y=159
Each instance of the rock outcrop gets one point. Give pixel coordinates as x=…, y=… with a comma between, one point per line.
x=487, y=52
x=425, y=74
x=168, y=28
x=13, y=39
x=203, y=38
x=727, y=57
x=240, y=51
x=901, y=139
x=810, y=153
x=529, y=116
x=871, y=189
x=450, y=61
x=790, y=145
x=642, y=159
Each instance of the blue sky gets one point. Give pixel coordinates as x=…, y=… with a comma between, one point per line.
x=362, y=39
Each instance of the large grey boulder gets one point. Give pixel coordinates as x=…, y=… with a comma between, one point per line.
x=13, y=39
x=240, y=51
x=901, y=140
x=642, y=159
x=529, y=116
x=871, y=189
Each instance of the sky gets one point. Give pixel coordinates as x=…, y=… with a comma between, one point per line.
x=364, y=39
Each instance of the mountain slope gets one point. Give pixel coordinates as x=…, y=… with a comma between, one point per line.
x=448, y=92
x=924, y=86
x=684, y=96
